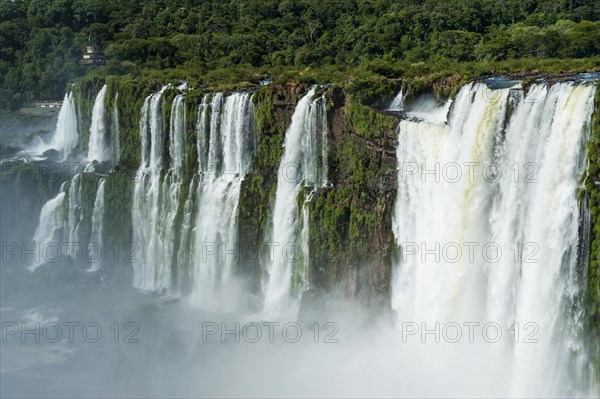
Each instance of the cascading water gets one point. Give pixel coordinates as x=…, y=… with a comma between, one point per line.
x=503, y=174
x=49, y=226
x=52, y=218
x=98, y=221
x=304, y=163
x=98, y=148
x=186, y=233
x=520, y=159
x=66, y=133
x=61, y=223
x=116, y=146
x=170, y=186
x=177, y=138
x=397, y=103
x=74, y=214
x=226, y=141
x=152, y=272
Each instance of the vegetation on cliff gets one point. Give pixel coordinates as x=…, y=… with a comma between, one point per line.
x=42, y=41
x=592, y=190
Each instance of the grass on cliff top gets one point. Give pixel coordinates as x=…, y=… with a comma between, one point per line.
x=372, y=81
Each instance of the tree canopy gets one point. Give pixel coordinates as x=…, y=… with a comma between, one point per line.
x=41, y=41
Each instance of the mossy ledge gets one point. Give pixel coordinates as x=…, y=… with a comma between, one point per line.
x=592, y=190
x=350, y=222
x=350, y=239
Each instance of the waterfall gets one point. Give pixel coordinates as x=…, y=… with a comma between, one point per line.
x=177, y=138
x=74, y=214
x=304, y=164
x=97, y=148
x=502, y=172
x=62, y=227
x=226, y=141
x=98, y=221
x=397, y=103
x=116, y=148
x=49, y=227
x=153, y=271
x=171, y=185
x=66, y=133
x=185, y=251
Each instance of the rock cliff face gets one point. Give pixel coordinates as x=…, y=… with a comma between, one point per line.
x=350, y=223
x=350, y=238
x=274, y=106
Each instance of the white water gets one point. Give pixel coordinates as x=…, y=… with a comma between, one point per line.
x=66, y=134
x=116, y=147
x=185, y=252
x=98, y=222
x=531, y=202
x=48, y=228
x=397, y=103
x=304, y=164
x=170, y=186
x=177, y=138
x=427, y=109
x=98, y=148
x=153, y=271
x=74, y=214
x=545, y=129
x=61, y=221
x=226, y=140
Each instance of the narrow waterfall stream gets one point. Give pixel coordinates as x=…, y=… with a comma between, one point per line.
x=304, y=164
x=98, y=148
x=98, y=212
x=66, y=134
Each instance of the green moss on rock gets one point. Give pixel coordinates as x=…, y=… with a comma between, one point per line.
x=592, y=190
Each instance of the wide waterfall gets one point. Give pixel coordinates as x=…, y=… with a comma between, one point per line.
x=468, y=278
x=304, y=164
x=487, y=221
x=226, y=141
x=98, y=148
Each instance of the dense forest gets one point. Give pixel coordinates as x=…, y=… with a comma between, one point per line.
x=42, y=41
